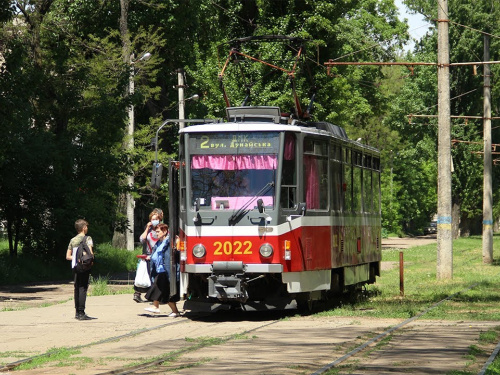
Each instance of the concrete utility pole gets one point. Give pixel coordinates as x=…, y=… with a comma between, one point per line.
x=180, y=86
x=182, y=102
x=444, y=220
x=487, y=176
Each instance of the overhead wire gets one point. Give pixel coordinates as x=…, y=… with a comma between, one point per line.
x=364, y=82
x=361, y=82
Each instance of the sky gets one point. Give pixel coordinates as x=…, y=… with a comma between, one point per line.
x=417, y=26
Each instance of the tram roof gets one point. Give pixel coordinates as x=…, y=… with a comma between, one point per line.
x=269, y=119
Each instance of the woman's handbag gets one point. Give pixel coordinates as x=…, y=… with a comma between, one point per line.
x=142, y=279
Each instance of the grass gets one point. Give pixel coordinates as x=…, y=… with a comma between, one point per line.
x=494, y=368
x=99, y=286
x=60, y=355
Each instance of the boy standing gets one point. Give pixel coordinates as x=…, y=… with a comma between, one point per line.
x=81, y=278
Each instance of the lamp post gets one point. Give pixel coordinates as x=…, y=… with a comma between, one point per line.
x=130, y=203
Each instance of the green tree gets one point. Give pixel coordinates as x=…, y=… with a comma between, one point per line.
x=66, y=126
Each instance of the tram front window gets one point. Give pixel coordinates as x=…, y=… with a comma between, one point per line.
x=227, y=182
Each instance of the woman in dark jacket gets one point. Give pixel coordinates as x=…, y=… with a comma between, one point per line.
x=160, y=263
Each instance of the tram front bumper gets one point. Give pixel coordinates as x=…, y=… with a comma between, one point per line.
x=228, y=282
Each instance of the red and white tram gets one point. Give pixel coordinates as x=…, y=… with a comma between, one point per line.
x=272, y=211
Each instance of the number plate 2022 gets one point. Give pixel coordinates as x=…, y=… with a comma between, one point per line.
x=233, y=248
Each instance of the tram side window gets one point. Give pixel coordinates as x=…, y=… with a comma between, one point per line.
x=367, y=191
x=376, y=190
x=347, y=186
x=336, y=176
x=289, y=173
x=316, y=174
x=182, y=159
x=356, y=182
x=356, y=189
x=336, y=184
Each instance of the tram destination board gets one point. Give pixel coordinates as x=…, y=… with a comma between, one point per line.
x=228, y=143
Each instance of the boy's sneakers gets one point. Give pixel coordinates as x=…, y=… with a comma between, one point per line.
x=152, y=309
x=83, y=316
x=173, y=315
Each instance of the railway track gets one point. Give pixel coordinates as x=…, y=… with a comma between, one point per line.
x=159, y=361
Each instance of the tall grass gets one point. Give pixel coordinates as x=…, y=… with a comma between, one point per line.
x=28, y=268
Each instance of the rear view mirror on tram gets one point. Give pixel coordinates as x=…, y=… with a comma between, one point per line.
x=156, y=175
x=302, y=208
x=260, y=205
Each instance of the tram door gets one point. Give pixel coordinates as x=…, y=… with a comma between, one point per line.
x=173, y=222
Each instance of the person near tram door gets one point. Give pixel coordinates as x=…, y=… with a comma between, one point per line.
x=160, y=270
x=148, y=239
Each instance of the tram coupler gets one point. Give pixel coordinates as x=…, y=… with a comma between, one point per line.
x=228, y=282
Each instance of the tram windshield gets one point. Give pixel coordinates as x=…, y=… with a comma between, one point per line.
x=231, y=169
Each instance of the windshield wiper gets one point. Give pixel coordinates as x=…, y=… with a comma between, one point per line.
x=245, y=206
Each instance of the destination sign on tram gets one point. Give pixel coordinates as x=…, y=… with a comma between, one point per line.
x=229, y=143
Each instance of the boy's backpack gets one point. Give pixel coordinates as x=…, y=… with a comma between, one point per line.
x=84, y=257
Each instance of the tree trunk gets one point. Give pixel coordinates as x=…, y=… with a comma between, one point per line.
x=119, y=236
x=120, y=233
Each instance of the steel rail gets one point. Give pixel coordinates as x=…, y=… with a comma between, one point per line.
x=490, y=360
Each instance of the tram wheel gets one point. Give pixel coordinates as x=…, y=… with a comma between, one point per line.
x=305, y=304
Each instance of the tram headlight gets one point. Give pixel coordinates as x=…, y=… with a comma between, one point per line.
x=266, y=250
x=199, y=251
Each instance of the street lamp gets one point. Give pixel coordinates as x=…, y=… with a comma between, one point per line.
x=182, y=103
x=130, y=203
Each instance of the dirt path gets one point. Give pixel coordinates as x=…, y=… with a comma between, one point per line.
x=407, y=242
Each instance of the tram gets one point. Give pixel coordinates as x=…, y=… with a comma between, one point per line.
x=273, y=211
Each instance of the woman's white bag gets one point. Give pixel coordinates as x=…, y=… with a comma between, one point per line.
x=142, y=279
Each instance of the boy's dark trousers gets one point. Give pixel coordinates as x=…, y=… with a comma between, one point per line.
x=81, y=286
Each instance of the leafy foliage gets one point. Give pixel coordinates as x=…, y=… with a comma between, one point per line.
x=64, y=99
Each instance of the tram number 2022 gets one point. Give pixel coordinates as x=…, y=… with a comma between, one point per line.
x=233, y=248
